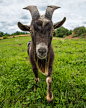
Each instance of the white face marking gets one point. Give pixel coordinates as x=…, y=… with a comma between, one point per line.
x=41, y=45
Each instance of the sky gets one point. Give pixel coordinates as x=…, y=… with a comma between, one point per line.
x=11, y=12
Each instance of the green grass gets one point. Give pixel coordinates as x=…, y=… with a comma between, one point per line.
x=68, y=76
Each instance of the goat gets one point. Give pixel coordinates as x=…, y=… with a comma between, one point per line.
x=40, y=50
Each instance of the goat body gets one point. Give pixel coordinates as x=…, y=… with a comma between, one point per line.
x=40, y=50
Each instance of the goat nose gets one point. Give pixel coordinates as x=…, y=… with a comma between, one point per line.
x=42, y=50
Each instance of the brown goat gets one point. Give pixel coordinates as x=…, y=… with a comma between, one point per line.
x=40, y=50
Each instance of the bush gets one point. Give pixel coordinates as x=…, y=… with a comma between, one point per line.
x=64, y=36
x=62, y=32
x=75, y=35
x=79, y=32
x=4, y=37
x=82, y=36
x=13, y=36
x=1, y=34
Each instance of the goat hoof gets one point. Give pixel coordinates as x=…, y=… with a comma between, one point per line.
x=49, y=99
x=37, y=79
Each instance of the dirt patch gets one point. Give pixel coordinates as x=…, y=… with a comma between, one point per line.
x=16, y=36
x=1, y=38
x=67, y=37
x=70, y=37
x=22, y=35
x=10, y=37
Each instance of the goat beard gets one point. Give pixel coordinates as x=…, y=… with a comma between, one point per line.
x=42, y=64
x=42, y=58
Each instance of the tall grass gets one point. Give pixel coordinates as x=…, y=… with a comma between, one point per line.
x=68, y=76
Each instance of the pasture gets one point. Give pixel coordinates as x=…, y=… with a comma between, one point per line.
x=68, y=76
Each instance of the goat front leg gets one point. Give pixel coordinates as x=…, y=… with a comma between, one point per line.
x=35, y=70
x=49, y=96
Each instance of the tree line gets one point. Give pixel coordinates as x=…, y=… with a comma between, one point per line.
x=60, y=32
x=13, y=34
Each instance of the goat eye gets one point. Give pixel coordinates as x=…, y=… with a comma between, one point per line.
x=31, y=31
x=52, y=32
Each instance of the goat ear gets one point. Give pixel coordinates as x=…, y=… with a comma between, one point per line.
x=23, y=27
x=58, y=24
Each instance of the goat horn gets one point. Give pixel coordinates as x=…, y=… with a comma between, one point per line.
x=49, y=11
x=34, y=12
x=60, y=23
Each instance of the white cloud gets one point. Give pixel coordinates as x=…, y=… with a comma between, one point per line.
x=11, y=12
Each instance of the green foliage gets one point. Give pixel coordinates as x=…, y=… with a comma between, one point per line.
x=18, y=33
x=1, y=34
x=5, y=37
x=62, y=32
x=68, y=76
x=79, y=32
x=13, y=34
x=4, y=34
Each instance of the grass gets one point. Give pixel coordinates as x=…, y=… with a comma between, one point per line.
x=68, y=76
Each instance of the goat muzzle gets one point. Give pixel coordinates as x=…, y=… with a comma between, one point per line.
x=41, y=50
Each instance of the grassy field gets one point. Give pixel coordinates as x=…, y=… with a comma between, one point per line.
x=68, y=77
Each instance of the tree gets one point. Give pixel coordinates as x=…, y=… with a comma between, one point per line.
x=62, y=32
x=1, y=34
x=79, y=32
